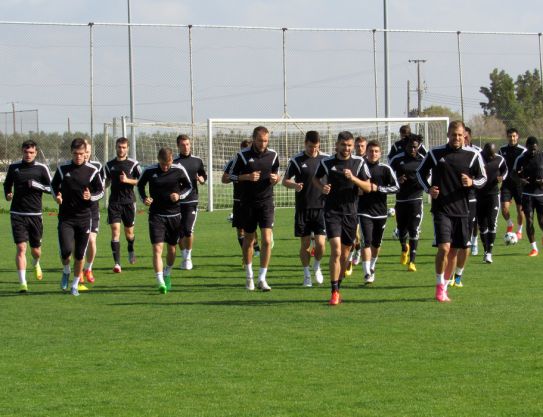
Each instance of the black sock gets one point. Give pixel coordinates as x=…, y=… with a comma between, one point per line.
x=339, y=283
x=335, y=286
x=256, y=248
x=116, y=249
x=413, y=249
x=130, y=244
x=240, y=241
x=404, y=246
x=491, y=237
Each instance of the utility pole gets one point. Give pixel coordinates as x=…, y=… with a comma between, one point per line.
x=408, y=97
x=69, y=127
x=419, y=85
x=14, y=122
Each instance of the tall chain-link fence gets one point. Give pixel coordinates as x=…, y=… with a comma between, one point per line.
x=76, y=76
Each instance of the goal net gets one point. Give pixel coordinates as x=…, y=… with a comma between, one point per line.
x=287, y=138
x=218, y=141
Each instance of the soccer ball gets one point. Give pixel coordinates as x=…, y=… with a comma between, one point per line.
x=510, y=239
x=391, y=212
x=230, y=218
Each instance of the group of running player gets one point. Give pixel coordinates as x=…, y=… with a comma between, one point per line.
x=342, y=197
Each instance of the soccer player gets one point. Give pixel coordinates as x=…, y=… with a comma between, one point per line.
x=529, y=168
x=256, y=169
x=75, y=186
x=472, y=198
x=399, y=146
x=340, y=177
x=189, y=206
x=24, y=185
x=512, y=187
x=236, y=209
x=409, y=205
x=309, y=215
x=168, y=184
x=454, y=169
x=372, y=208
x=488, y=201
x=360, y=144
x=90, y=253
x=122, y=173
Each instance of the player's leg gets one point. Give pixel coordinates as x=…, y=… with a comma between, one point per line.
x=20, y=262
x=402, y=221
x=189, y=213
x=378, y=231
x=129, y=220
x=493, y=210
x=248, y=224
x=520, y=215
x=474, y=247
x=506, y=197
x=114, y=221
x=528, y=208
x=81, y=235
x=66, y=246
x=318, y=227
x=91, y=248
x=416, y=214
x=157, y=235
x=366, y=228
x=443, y=237
x=35, y=233
x=305, y=257
x=460, y=235
x=265, y=256
x=483, y=221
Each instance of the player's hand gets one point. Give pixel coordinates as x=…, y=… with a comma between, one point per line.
x=402, y=179
x=254, y=176
x=200, y=179
x=326, y=189
x=58, y=198
x=348, y=174
x=434, y=192
x=9, y=196
x=299, y=186
x=525, y=181
x=466, y=180
x=123, y=177
x=86, y=194
x=148, y=201
x=174, y=197
x=274, y=178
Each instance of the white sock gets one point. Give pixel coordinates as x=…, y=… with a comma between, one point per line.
x=534, y=245
x=373, y=262
x=316, y=265
x=75, y=282
x=519, y=230
x=88, y=266
x=307, y=272
x=22, y=276
x=509, y=223
x=351, y=254
x=474, y=241
x=188, y=253
x=67, y=269
x=249, y=270
x=440, y=279
x=160, y=278
x=366, y=267
x=459, y=271
x=184, y=253
x=262, y=274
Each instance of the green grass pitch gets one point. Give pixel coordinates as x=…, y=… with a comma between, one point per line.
x=209, y=348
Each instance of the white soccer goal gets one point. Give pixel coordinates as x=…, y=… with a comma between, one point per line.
x=218, y=140
x=287, y=138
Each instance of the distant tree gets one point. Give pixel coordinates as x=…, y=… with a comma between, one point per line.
x=487, y=127
x=440, y=111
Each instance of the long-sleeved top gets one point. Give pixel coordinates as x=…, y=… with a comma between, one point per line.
x=121, y=192
x=161, y=185
x=529, y=167
x=406, y=165
x=494, y=168
x=27, y=181
x=374, y=204
x=303, y=167
x=194, y=167
x=71, y=180
x=447, y=164
x=343, y=196
x=249, y=160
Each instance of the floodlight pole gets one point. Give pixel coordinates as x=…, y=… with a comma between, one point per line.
x=131, y=76
x=460, y=73
x=91, y=69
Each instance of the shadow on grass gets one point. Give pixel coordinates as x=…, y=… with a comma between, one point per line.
x=264, y=303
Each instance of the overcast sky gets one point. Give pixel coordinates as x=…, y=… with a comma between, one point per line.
x=239, y=73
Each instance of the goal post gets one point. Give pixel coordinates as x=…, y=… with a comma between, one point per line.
x=287, y=138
